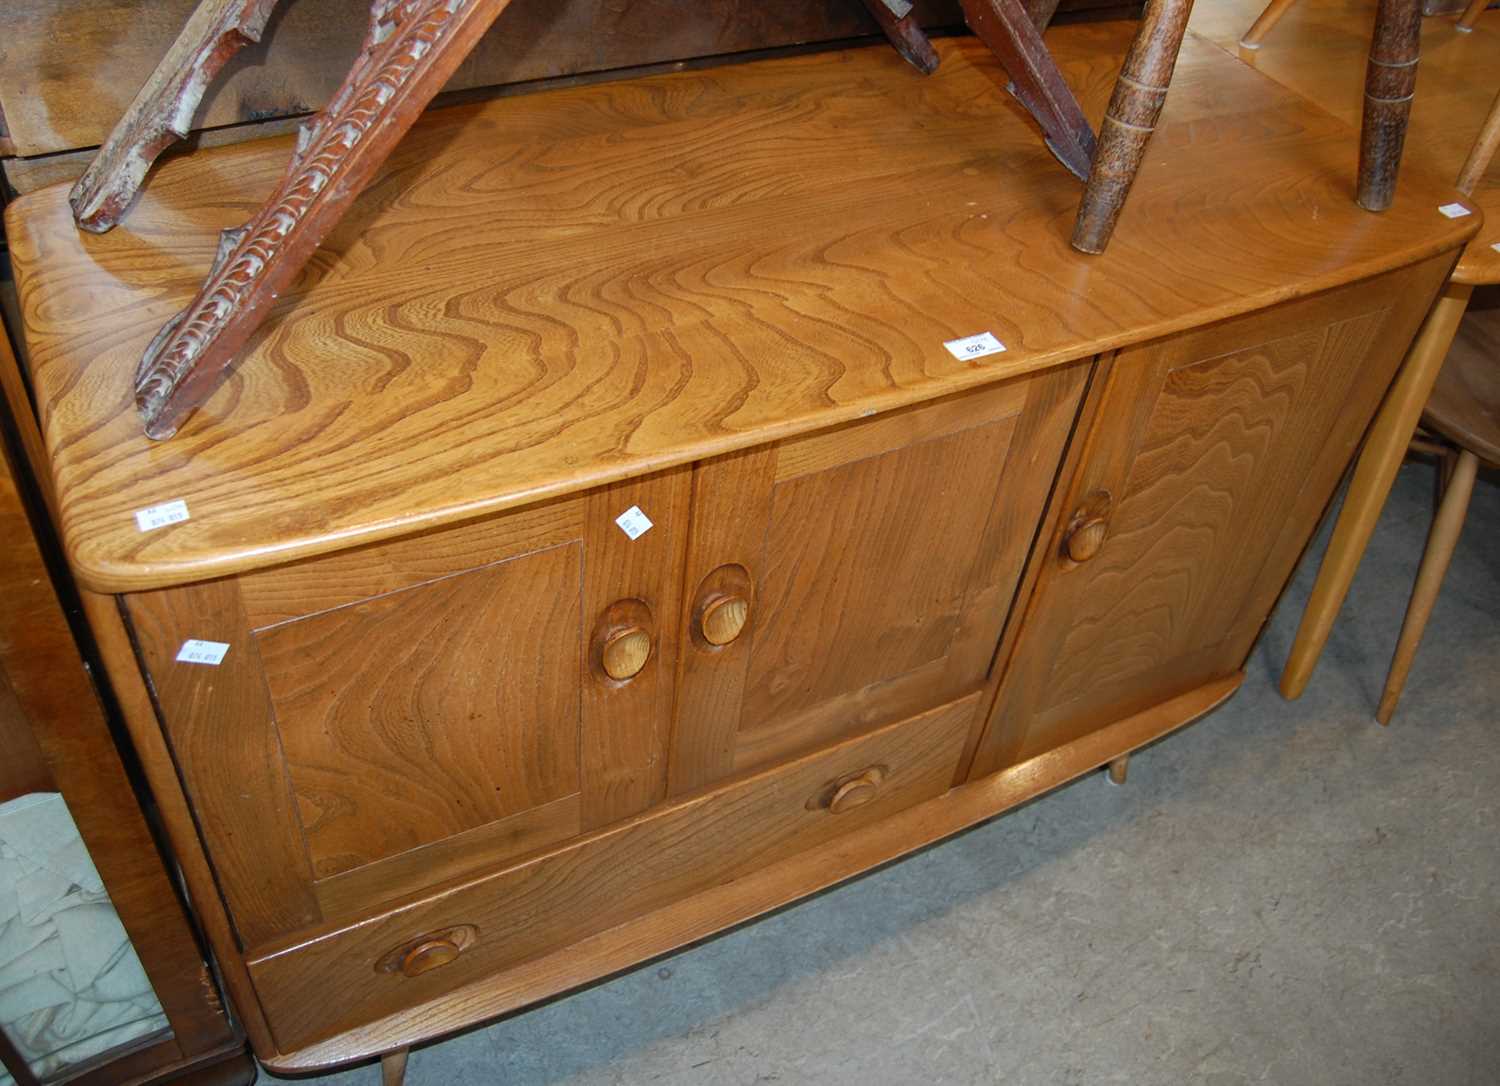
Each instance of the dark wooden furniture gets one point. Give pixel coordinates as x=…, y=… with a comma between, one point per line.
x=54, y=736
x=896, y=579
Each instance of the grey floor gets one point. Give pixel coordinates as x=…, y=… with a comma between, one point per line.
x=1283, y=893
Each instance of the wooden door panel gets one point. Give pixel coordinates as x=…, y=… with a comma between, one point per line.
x=401, y=715
x=879, y=559
x=1214, y=453
x=430, y=711
x=865, y=569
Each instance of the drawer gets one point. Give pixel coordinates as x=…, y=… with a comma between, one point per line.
x=455, y=937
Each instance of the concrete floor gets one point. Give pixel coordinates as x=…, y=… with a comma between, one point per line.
x=1284, y=893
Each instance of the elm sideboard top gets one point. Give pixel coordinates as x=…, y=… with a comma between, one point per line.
x=543, y=294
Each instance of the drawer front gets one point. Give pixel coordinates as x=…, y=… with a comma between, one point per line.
x=408, y=955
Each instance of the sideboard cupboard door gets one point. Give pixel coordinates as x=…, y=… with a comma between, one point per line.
x=848, y=578
x=1211, y=458
x=390, y=717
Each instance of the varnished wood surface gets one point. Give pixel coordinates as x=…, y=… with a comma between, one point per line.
x=1465, y=402
x=1319, y=50
x=426, y=719
x=54, y=736
x=544, y=294
x=608, y=878
x=774, y=885
x=69, y=68
x=1216, y=452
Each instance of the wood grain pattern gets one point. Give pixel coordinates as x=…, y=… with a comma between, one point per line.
x=731, y=500
x=1220, y=449
x=1320, y=51
x=411, y=48
x=284, y=593
x=106, y=622
x=69, y=68
x=883, y=556
x=607, y=878
x=432, y=711
x=55, y=736
x=653, y=283
x=1007, y=29
x=703, y=914
x=626, y=726
x=222, y=728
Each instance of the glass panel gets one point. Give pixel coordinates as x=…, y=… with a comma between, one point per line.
x=71, y=986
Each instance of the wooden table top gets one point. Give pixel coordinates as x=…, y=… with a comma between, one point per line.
x=1319, y=49
x=545, y=293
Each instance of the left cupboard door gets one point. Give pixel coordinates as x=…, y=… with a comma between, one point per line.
x=357, y=728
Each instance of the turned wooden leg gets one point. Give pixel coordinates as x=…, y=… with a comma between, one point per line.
x=1470, y=16
x=1118, y=768
x=1446, y=528
x=902, y=29
x=1390, y=82
x=162, y=112
x=1375, y=472
x=393, y=1067
x=1262, y=26
x=1139, y=95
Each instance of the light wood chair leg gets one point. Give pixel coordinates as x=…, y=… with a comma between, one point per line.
x=393, y=1067
x=1263, y=25
x=1483, y=150
x=1118, y=768
x=1139, y=95
x=1390, y=82
x=1385, y=447
x=1470, y=16
x=1446, y=528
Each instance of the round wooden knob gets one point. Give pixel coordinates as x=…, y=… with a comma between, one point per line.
x=1086, y=539
x=429, y=955
x=626, y=652
x=856, y=792
x=724, y=619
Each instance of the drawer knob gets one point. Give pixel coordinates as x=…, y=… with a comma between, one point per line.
x=1086, y=539
x=857, y=791
x=428, y=951
x=429, y=955
x=626, y=653
x=1088, y=527
x=724, y=619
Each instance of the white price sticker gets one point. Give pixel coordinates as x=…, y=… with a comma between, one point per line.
x=1496, y=246
x=974, y=346
x=194, y=651
x=1454, y=211
x=159, y=516
x=633, y=522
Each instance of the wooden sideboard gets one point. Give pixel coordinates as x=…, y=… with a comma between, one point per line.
x=473, y=737
x=56, y=736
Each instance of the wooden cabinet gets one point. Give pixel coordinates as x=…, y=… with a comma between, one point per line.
x=461, y=732
x=416, y=711
x=407, y=712
x=1211, y=457
x=877, y=561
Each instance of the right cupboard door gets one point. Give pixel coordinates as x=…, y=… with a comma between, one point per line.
x=854, y=577
x=1210, y=459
